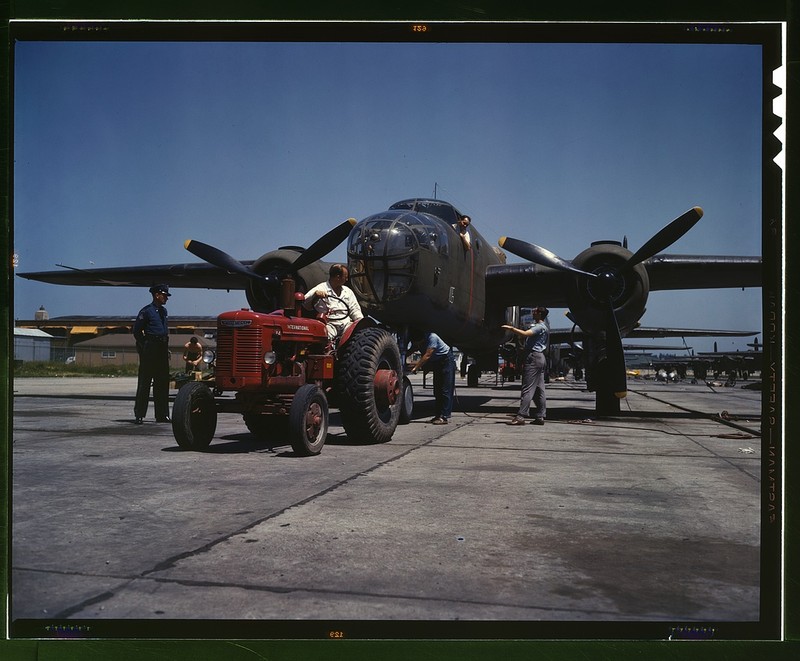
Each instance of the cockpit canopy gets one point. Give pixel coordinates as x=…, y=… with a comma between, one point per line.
x=439, y=208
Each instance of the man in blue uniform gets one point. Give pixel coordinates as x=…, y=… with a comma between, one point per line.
x=438, y=357
x=152, y=342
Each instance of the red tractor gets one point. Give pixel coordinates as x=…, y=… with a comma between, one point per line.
x=283, y=376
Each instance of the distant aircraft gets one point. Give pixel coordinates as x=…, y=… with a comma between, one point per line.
x=411, y=271
x=732, y=364
x=566, y=348
x=565, y=351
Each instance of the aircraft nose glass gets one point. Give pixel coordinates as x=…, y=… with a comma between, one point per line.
x=382, y=259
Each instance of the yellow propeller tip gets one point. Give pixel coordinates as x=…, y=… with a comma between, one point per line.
x=621, y=395
x=352, y=221
x=699, y=211
x=186, y=243
x=501, y=241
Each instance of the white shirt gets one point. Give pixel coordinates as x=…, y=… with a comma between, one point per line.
x=339, y=308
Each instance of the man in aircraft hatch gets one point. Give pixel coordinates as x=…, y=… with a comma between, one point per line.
x=335, y=302
x=462, y=227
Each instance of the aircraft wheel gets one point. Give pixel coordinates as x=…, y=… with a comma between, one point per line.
x=308, y=420
x=369, y=386
x=265, y=426
x=407, y=404
x=194, y=416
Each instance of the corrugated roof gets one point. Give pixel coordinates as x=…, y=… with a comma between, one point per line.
x=126, y=340
x=31, y=332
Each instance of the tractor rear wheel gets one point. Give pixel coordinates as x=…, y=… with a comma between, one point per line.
x=369, y=385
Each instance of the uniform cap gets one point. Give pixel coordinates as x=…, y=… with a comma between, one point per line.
x=163, y=289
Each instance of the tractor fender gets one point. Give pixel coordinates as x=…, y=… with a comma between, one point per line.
x=365, y=322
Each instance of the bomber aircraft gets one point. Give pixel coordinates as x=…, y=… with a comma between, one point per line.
x=412, y=271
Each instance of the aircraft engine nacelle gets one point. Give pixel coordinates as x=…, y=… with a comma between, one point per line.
x=274, y=266
x=628, y=288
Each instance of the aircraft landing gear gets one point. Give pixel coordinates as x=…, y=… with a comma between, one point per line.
x=407, y=402
x=606, y=403
x=473, y=375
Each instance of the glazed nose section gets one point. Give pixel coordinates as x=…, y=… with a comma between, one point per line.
x=382, y=256
x=381, y=238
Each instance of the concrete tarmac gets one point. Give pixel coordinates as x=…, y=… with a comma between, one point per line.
x=654, y=516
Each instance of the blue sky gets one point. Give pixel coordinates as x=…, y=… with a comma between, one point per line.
x=125, y=150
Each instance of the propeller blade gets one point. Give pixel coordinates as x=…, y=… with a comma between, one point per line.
x=666, y=237
x=324, y=244
x=219, y=258
x=615, y=355
x=539, y=255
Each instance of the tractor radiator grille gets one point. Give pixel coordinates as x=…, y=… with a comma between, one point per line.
x=239, y=351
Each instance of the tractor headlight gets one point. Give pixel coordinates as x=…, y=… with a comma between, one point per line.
x=269, y=357
x=209, y=356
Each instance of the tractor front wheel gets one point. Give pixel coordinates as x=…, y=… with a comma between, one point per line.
x=194, y=416
x=308, y=420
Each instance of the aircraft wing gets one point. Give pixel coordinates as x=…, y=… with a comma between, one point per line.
x=702, y=272
x=652, y=347
x=644, y=331
x=566, y=335
x=629, y=347
x=200, y=275
x=532, y=284
x=729, y=354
